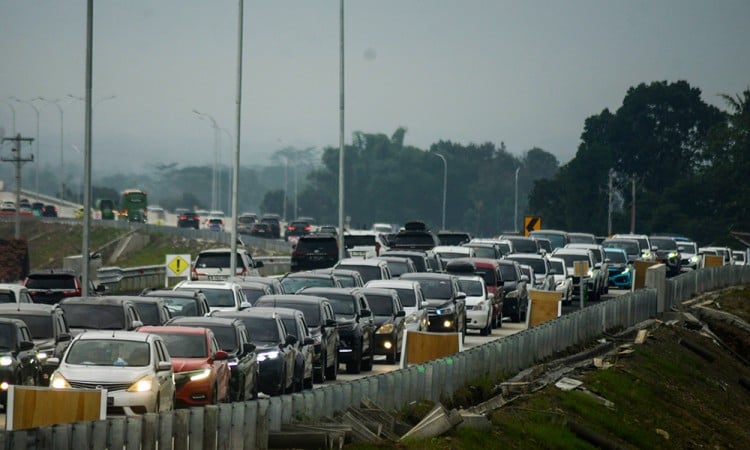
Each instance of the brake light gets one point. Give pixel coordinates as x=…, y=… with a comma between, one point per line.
x=290, y=228
x=308, y=228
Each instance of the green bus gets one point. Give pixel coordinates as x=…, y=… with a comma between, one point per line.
x=133, y=206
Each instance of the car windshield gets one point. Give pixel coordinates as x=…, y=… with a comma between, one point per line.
x=182, y=345
x=504, y=247
x=294, y=284
x=343, y=304
x=664, y=244
x=536, y=263
x=418, y=260
x=7, y=331
x=227, y=337
x=100, y=317
x=310, y=310
x=471, y=287
x=220, y=298
x=367, y=272
x=570, y=259
x=616, y=257
x=215, y=260
x=631, y=248
x=452, y=255
x=108, y=352
x=252, y=294
x=687, y=247
x=524, y=245
x=149, y=313
x=556, y=240
x=262, y=329
x=581, y=239
x=291, y=326
x=346, y=280
x=558, y=267
x=51, y=281
x=508, y=272
x=397, y=268
x=7, y=297
x=40, y=326
x=181, y=306
x=484, y=252
x=380, y=305
x=436, y=288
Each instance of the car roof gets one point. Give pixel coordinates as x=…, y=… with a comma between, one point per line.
x=299, y=298
x=474, y=260
x=40, y=309
x=361, y=262
x=115, y=335
x=205, y=284
x=255, y=311
x=284, y=312
x=102, y=300
x=525, y=255
x=9, y=320
x=206, y=322
x=426, y=275
x=53, y=272
x=172, y=329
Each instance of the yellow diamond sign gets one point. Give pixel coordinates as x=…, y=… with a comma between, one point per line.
x=177, y=265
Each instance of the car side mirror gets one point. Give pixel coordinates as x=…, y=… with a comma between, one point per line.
x=221, y=355
x=25, y=346
x=245, y=305
x=365, y=313
x=308, y=341
x=424, y=305
x=163, y=365
x=248, y=347
x=100, y=288
x=290, y=340
x=598, y=265
x=136, y=324
x=52, y=362
x=525, y=278
x=461, y=296
x=331, y=323
x=257, y=264
x=401, y=313
x=63, y=337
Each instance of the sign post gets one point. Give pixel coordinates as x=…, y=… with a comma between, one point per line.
x=531, y=223
x=178, y=266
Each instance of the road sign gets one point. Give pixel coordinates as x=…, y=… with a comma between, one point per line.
x=531, y=223
x=178, y=266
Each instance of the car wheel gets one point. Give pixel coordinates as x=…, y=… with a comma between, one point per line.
x=367, y=364
x=488, y=329
x=355, y=365
x=332, y=372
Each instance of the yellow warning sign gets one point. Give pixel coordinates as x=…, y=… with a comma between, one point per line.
x=177, y=265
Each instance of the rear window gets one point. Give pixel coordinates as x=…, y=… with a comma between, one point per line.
x=367, y=272
x=524, y=245
x=322, y=245
x=98, y=317
x=536, y=263
x=215, y=260
x=40, y=326
x=148, y=312
x=51, y=281
x=7, y=297
x=359, y=240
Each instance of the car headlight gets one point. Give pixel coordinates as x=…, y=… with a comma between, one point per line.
x=386, y=328
x=590, y=273
x=57, y=381
x=694, y=259
x=268, y=355
x=479, y=306
x=411, y=318
x=142, y=385
x=672, y=254
x=450, y=309
x=6, y=360
x=41, y=356
x=198, y=375
x=627, y=270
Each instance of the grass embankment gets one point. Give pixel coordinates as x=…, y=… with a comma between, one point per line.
x=663, y=395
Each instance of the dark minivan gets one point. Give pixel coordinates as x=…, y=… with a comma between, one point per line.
x=315, y=251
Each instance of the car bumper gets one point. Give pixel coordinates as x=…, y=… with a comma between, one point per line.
x=384, y=343
x=477, y=320
x=621, y=279
x=193, y=393
x=130, y=403
x=271, y=377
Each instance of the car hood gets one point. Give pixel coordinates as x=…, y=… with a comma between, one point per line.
x=438, y=302
x=265, y=347
x=45, y=343
x=380, y=320
x=186, y=364
x=103, y=374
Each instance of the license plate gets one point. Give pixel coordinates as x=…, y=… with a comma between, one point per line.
x=216, y=278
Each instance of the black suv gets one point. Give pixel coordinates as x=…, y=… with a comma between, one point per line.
x=447, y=304
x=234, y=339
x=18, y=352
x=100, y=313
x=189, y=219
x=49, y=331
x=274, y=221
x=515, y=290
x=355, y=323
x=415, y=236
x=315, y=251
x=321, y=323
x=297, y=228
x=52, y=285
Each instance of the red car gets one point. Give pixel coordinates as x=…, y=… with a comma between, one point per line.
x=201, y=370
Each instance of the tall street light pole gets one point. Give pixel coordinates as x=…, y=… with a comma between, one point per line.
x=515, y=208
x=445, y=184
x=62, y=158
x=214, y=183
x=36, y=141
x=238, y=125
x=13, y=111
x=341, y=129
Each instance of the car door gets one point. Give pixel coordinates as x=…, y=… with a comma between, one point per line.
x=331, y=332
x=30, y=369
x=367, y=323
x=247, y=362
x=306, y=345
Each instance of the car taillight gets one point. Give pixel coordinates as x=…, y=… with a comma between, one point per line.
x=290, y=228
x=308, y=228
x=183, y=217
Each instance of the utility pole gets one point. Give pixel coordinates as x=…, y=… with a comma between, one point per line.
x=17, y=159
x=632, y=206
x=609, y=202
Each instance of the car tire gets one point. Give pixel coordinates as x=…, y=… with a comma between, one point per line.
x=392, y=355
x=355, y=365
x=332, y=372
x=368, y=363
x=486, y=330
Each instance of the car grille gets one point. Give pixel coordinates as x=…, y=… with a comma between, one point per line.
x=93, y=385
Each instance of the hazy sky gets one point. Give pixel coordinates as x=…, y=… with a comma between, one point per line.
x=524, y=72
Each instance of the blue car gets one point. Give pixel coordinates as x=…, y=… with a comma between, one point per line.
x=620, y=270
